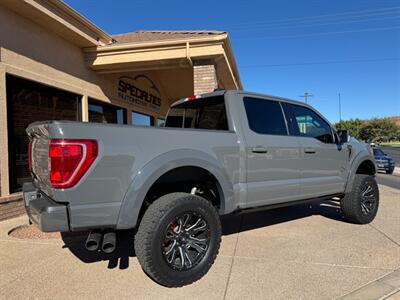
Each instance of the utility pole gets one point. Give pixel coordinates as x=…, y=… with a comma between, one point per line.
x=306, y=96
x=340, y=108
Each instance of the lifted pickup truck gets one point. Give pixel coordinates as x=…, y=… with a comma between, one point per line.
x=218, y=153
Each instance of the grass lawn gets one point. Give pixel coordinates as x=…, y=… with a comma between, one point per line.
x=391, y=144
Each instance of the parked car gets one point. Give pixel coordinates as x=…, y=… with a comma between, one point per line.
x=218, y=153
x=383, y=161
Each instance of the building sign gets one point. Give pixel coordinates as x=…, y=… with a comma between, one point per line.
x=139, y=90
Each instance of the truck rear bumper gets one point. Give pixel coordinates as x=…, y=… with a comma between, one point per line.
x=48, y=215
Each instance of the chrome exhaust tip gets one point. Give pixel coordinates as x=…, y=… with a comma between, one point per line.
x=93, y=241
x=109, y=242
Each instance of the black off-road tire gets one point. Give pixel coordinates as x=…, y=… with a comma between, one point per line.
x=351, y=204
x=150, y=235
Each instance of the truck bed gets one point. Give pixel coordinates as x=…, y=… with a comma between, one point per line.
x=123, y=151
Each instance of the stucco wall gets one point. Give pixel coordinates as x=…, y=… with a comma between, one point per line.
x=33, y=52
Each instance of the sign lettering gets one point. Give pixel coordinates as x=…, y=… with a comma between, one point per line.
x=147, y=96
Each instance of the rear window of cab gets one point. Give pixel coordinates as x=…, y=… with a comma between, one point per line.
x=201, y=113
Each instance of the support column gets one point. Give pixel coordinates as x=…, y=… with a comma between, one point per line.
x=85, y=108
x=129, y=117
x=4, y=182
x=204, y=77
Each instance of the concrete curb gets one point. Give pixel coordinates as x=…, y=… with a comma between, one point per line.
x=396, y=171
x=381, y=288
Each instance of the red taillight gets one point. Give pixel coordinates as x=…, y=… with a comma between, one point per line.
x=190, y=98
x=29, y=157
x=69, y=160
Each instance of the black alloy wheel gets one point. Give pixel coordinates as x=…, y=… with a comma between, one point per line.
x=178, y=239
x=368, y=199
x=361, y=204
x=186, y=241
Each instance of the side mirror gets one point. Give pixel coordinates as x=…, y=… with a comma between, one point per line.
x=344, y=136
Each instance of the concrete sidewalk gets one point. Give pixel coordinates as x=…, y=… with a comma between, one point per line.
x=396, y=170
x=305, y=252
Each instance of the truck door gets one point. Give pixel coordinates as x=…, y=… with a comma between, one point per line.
x=323, y=162
x=273, y=158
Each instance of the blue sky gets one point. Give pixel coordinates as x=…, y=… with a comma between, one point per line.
x=287, y=47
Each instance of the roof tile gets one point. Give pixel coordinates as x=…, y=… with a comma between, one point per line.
x=158, y=35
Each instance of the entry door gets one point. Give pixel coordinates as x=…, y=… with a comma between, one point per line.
x=323, y=162
x=273, y=160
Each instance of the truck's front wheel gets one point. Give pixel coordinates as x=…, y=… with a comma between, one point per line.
x=178, y=239
x=361, y=204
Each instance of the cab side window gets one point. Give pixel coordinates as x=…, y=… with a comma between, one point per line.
x=309, y=124
x=265, y=116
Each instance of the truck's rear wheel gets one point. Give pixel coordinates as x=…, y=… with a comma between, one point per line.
x=178, y=239
x=361, y=204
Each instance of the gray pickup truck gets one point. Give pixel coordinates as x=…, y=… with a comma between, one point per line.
x=218, y=153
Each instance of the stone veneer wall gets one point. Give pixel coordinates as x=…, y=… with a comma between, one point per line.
x=11, y=206
x=204, y=77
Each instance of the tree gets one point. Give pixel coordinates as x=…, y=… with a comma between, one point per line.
x=353, y=125
x=379, y=130
x=374, y=130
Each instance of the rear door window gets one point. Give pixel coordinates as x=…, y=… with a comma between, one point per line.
x=265, y=116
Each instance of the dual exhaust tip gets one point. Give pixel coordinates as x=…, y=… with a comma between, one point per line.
x=104, y=241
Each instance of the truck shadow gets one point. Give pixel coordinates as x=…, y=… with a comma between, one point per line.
x=231, y=224
x=244, y=221
x=75, y=242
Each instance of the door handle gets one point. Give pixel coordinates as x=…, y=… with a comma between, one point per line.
x=309, y=150
x=259, y=149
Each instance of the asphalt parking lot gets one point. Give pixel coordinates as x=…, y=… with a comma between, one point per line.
x=306, y=251
x=390, y=180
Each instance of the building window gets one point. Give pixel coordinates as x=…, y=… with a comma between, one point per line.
x=142, y=119
x=105, y=113
x=28, y=102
